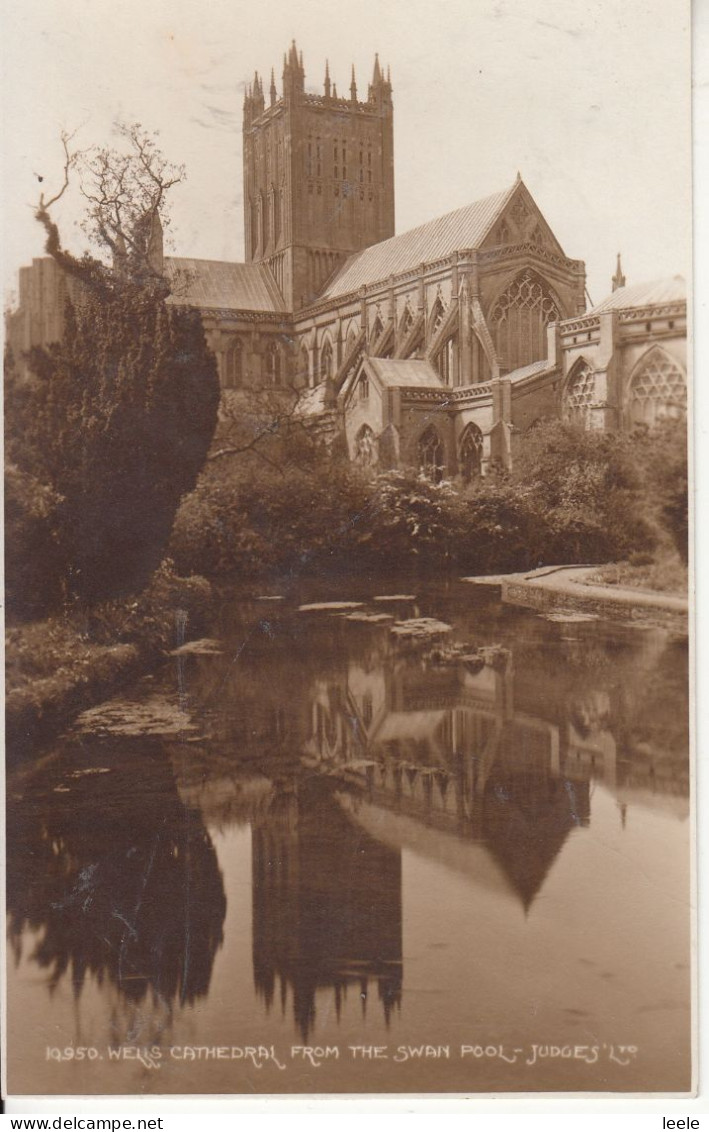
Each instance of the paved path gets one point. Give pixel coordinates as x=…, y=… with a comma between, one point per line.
x=568, y=582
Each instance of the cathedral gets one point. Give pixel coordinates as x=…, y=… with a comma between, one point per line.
x=436, y=348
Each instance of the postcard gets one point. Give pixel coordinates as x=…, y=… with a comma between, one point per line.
x=347, y=549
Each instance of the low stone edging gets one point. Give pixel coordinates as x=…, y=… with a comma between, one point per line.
x=557, y=588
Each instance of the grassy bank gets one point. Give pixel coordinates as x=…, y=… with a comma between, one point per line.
x=662, y=573
x=58, y=667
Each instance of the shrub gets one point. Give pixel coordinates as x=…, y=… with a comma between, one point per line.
x=33, y=561
x=410, y=517
x=585, y=489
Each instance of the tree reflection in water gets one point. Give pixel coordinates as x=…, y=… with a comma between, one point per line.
x=117, y=875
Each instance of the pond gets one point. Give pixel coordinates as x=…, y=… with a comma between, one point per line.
x=322, y=855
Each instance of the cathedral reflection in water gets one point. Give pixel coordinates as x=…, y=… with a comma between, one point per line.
x=470, y=767
x=372, y=753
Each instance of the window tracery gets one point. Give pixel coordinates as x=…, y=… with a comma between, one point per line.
x=303, y=365
x=274, y=369
x=431, y=454
x=470, y=452
x=233, y=365
x=326, y=360
x=519, y=319
x=658, y=390
x=580, y=394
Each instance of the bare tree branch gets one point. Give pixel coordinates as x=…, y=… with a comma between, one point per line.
x=266, y=417
x=70, y=160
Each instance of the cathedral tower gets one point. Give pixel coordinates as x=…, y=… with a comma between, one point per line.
x=318, y=176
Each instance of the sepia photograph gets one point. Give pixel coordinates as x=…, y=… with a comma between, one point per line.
x=347, y=374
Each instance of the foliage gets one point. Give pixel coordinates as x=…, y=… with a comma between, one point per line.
x=64, y=646
x=253, y=520
x=502, y=531
x=409, y=516
x=169, y=609
x=113, y=425
x=584, y=489
x=572, y=497
x=122, y=414
x=32, y=579
x=662, y=454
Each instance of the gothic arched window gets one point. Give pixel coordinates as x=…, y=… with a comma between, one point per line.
x=444, y=362
x=407, y=321
x=437, y=315
x=254, y=227
x=657, y=390
x=303, y=365
x=365, y=452
x=326, y=357
x=519, y=319
x=263, y=221
x=274, y=364
x=271, y=212
x=580, y=394
x=470, y=453
x=377, y=329
x=233, y=365
x=277, y=209
x=431, y=454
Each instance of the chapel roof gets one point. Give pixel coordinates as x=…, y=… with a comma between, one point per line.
x=464, y=228
x=213, y=283
x=672, y=289
x=404, y=371
x=531, y=370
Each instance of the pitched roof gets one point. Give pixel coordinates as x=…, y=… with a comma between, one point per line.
x=213, y=283
x=464, y=228
x=404, y=371
x=670, y=290
x=530, y=370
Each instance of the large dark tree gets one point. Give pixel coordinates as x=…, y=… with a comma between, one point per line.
x=120, y=414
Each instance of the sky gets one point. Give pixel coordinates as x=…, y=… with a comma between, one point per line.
x=588, y=99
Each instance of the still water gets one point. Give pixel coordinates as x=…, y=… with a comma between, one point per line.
x=433, y=873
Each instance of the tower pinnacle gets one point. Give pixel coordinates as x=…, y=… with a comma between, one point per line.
x=353, y=86
x=618, y=279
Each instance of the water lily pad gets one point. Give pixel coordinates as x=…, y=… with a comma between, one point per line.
x=326, y=606
x=569, y=617
x=204, y=647
x=155, y=716
x=364, y=618
x=420, y=629
x=395, y=597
